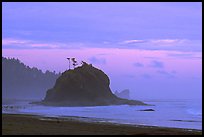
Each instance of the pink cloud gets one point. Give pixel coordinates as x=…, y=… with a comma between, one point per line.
x=155, y=41
x=132, y=41
x=167, y=41
x=37, y=44
x=118, y=61
x=14, y=41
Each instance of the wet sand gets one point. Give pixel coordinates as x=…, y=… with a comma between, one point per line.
x=18, y=124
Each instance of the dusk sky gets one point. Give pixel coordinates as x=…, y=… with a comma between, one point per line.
x=152, y=48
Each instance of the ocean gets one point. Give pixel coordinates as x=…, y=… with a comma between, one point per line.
x=167, y=113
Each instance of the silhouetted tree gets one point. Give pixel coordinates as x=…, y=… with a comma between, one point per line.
x=83, y=63
x=74, y=62
x=69, y=62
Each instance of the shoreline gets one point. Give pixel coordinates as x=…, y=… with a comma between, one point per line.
x=24, y=124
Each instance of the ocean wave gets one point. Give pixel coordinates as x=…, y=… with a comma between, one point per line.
x=195, y=112
x=179, y=120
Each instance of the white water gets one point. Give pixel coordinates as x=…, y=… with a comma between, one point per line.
x=179, y=114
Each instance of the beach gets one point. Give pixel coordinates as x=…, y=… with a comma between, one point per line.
x=21, y=124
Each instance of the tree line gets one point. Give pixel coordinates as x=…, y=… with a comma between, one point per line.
x=19, y=80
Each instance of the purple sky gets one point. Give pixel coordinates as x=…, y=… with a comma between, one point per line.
x=153, y=49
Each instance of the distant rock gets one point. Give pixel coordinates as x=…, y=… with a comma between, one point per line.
x=178, y=120
x=84, y=86
x=123, y=94
x=147, y=110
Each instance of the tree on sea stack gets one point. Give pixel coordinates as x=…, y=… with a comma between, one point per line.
x=74, y=62
x=83, y=63
x=69, y=62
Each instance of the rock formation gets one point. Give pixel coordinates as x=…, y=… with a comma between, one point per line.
x=123, y=94
x=84, y=86
x=147, y=110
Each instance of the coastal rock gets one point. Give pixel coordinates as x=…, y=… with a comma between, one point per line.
x=147, y=110
x=123, y=94
x=84, y=86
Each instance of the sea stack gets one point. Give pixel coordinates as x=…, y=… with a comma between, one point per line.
x=84, y=86
x=123, y=94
